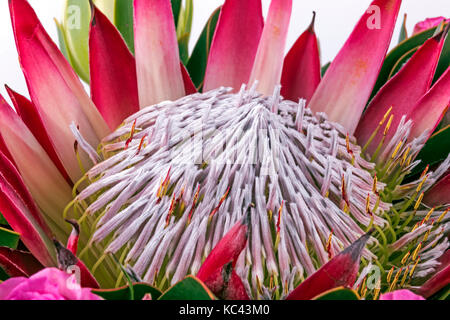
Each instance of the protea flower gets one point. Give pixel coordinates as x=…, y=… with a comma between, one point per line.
x=261, y=159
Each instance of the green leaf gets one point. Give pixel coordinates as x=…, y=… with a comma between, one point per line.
x=176, y=8
x=325, y=68
x=3, y=220
x=124, y=21
x=62, y=40
x=9, y=238
x=190, y=288
x=340, y=293
x=3, y=275
x=397, y=53
x=443, y=294
x=444, y=60
x=183, y=46
x=403, y=31
x=184, y=25
x=65, y=50
x=197, y=62
x=402, y=61
x=435, y=150
x=123, y=293
x=75, y=25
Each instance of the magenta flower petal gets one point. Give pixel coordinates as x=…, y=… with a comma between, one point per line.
x=234, y=45
x=431, y=108
x=427, y=24
x=54, y=88
x=401, y=92
x=48, y=284
x=401, y=295
x=301, y=69
x=113, y=72
x=343, y=92
x=157, y=57
x=269, y=57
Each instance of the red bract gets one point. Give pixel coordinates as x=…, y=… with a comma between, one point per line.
x=348, y=82
x=230, y=60
x=412, y=81
x=430, y=109
x=217, y=272
x=48, y=188
x=439, y=194
x=163, y=225
x=18, y=263
x=22, y=214
x=268, y=63
x=189, y=86
x=301, y=69
x=225, y=283
x=30, y=116
x=227, y=250
x=439, y=280
x=157, y=58
x=113, y=90
x=54, y=88
x=342, y=270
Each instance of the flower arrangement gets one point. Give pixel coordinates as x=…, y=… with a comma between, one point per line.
x=233, y=172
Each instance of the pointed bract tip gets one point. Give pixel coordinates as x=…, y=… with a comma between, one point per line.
x=67, y=260
x=28, y=22
x=356, y=248
x=93, y=7
x=75, y=225
x=94, y=11
x=443, y=34
x=311, y=26
x=65, y=257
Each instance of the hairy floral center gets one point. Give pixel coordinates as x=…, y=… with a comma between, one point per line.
x=177, y=176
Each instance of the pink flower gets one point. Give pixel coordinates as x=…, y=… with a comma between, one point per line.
x=48, y=284
x=427, y=24
x=401, y=295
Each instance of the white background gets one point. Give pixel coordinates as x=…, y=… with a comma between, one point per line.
x=334, y=23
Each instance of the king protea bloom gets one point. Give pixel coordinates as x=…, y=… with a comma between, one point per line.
x=258, y=179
